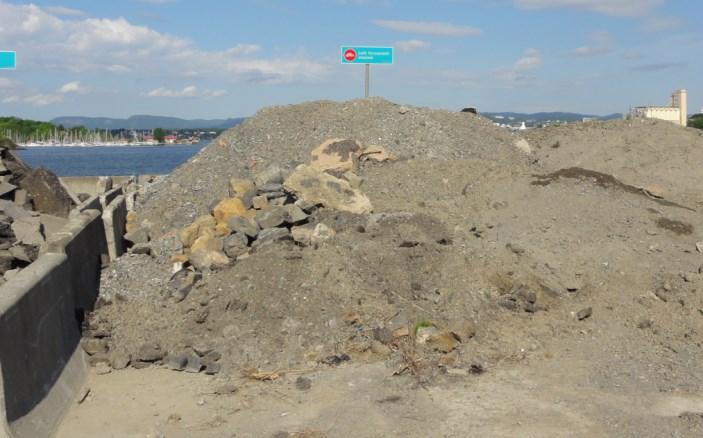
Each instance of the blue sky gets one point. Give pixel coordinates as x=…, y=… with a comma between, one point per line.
x=208, y=59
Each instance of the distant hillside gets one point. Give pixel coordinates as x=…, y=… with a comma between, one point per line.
x=146, y=122
x=508, y=117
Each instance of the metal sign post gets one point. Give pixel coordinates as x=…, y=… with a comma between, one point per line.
x=367, y=56
x=367, y=74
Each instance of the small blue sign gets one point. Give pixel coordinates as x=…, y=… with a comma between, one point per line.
x=8, y=60
x=367, y=55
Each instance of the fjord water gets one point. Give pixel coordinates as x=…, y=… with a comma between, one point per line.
x=110, y=160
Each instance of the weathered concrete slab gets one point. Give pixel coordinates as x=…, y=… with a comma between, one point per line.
x=89, y=184
x=114, y=221
x=41, y=365
x=82, y=239
x=107, y=198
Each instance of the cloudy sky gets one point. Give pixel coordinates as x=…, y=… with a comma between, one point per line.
x=208, y=58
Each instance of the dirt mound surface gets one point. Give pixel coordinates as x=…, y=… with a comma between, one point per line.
x=286, y=135
x=474, y=259
x=652, y=154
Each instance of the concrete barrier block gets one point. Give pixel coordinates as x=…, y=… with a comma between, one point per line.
x=41, y=363
x=114, y=221
x=107, y=198
x=83, y=240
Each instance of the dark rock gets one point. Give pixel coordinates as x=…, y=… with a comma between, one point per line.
x=272, y=235
x=336, y=359
x=211, y=357
x=177, y=362
x=383, y=335
x=194, y=364
x=150, y=352
x=273, y=217
x=303, y=383
x=270, y=187
x=6, y=261
x=6, y=189
x=235, y=245
x=245, y=226
x=584, y=313
x=226, y=389
x=83, y=197
x=141, y=248
x=270, y=175
x=213, y=368
x=508, y=303
x=47, y=192
x=140, y=235
x=139, y=365
x=119, y=359
x=94, y=346
x=25, y=253
x=295, y=214
x=201, y=316
x=182, y=282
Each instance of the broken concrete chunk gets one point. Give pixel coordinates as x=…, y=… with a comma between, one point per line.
x=193, y=364
x=317, y=187
x=119, y=359
x=7, y=188
x=322, y=232
x=25, y=253
x=177, y=362
x=260, y=202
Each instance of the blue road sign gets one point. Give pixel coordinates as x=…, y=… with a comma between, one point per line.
x=367, y=55
x=8, y=60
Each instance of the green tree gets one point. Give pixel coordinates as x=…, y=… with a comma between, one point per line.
x=159, y=135
x=696, y=121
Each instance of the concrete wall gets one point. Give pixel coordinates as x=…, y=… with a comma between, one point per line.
x=89, y=184
x=42, y=366
x=115, y=222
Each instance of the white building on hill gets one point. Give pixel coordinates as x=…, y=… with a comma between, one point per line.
x=676, y=112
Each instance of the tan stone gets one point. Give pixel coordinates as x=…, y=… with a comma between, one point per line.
x=302, y=235
x=228, y=208
x=204, y=259
x=317, y=187
x=243, y=189
x=194, y=230
x=337, y=155
x=321, y=233
x=207, y=242
x=260, y=202
x=179, y=258
x=222, y=229
x=131, y=224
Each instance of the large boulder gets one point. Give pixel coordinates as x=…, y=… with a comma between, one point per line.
x=228, y=208
x=189, y=234
x=336, y=155
x=47, y=192
x=317, y=187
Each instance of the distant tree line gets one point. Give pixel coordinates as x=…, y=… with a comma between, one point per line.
x=27, y=128
x=696, y=121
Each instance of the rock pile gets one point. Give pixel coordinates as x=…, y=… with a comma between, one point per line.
x=25, y=194
x=271, y=207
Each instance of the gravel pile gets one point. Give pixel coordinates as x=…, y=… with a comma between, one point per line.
x=285, y=135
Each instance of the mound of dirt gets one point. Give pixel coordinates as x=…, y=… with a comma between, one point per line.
x=475, y=256
x=285, y=136
x=654, y=154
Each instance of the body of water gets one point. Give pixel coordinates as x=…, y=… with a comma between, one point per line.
x=110, y=160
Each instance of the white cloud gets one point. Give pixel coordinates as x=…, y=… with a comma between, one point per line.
x=436, y=28
x=72, y=87
x=6, y=83
x=11, y=99
x=67, y=12
x=49, y=42
x=189, y=91
x=410, y=46
x=660, y=24
x=602, y=45
x=215, y=93
x=43, y=99
x=530, y=60
x=628, y=8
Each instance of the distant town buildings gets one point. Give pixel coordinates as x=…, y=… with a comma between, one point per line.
x=676, y=112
